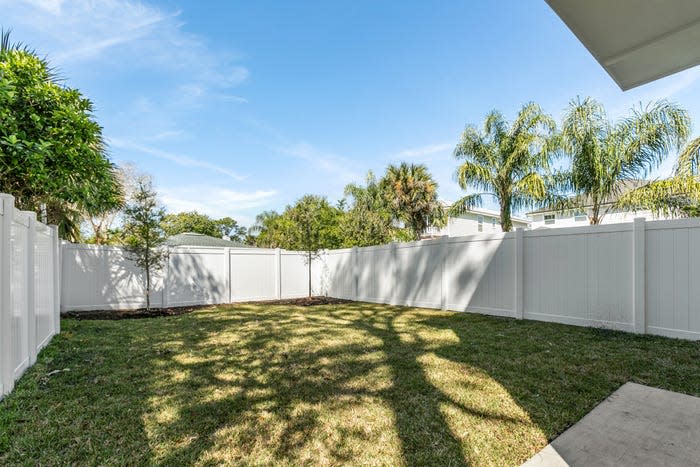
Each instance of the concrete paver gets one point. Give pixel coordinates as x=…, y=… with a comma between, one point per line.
x=636, y=426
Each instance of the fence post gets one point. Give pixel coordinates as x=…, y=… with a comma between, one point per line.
x=394, y=268
x=56, y=247
x=227, y=254
x=7, y=377
x=519, y=272
x=639, y=275
x=164, y=291
x=355, y=274
x=31, y=286
x=444, y=273
x=278, y=273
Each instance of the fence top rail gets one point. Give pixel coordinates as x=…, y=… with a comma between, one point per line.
x=43, y=229
x=621, y=227
x=588, y=229
x=188, y=249
x=477, y=237
x=691, y=222
x=339, y=251
x=21, y=218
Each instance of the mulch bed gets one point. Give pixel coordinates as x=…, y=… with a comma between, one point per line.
x=158, y=312
x=131, y=314
x=305, y=301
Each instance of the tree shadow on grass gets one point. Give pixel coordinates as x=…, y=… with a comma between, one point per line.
x=355, y=383
x=558, y=373
x=281, y=392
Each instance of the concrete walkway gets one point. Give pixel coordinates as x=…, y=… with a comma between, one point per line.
x=636, y=426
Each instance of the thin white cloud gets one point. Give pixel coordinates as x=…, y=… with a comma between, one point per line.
x=179, y=159
x=423, y=151
x=342, y=169
x=122, y=34
x=168, y=135
x=216, y=201
x=51, y=6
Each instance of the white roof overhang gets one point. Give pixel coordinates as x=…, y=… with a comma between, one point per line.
x=636, y=41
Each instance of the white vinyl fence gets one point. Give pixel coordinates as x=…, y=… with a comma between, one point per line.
x=642, y=276
x=102, y=277
x=29, y=290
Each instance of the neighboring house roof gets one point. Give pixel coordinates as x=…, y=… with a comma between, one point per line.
x=623, y=186
x=486, y=212
x=197, y=239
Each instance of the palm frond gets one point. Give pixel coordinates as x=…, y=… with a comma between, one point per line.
x=668, y=196
x=647, y=136
x=689, y=159
x=466, y=204
x=472, y=174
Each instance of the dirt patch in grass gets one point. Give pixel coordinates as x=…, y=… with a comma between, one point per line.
x=131, y=314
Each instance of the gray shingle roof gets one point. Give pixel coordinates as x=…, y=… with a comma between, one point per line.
x=621, y=187
x=197, y=239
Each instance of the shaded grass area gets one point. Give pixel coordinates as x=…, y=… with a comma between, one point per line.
x=336, y=384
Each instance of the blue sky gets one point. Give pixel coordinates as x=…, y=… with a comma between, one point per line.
x=239, y=107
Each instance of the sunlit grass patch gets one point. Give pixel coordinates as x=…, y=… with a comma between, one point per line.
x=343, y=384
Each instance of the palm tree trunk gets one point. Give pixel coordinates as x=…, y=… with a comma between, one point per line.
x=506, y=222
x=595, y=212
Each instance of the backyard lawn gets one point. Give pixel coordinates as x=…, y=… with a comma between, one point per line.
x=337, y=384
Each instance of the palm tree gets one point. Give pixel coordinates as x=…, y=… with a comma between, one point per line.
x=411, y=194
x=506, y=161
x=676, y=195
x=607, y=156
x=369, y=221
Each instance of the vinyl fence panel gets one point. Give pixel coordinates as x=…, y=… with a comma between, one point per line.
x=44, y=305
x=640, y=276
x=99, y=277
x=295, y=274
x=673, y=278
x=480, y=274
x=196, y=276
x=254, y=274
x=28, y=289
x=580, y=275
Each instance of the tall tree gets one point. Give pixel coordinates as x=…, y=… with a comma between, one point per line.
x=52, y=156
x=411, y=194
x=144, y=236
x=307, y=216
x=229, y=227
x=605, y=154
x=508, y=161
x=369, y=220
x=273, y=230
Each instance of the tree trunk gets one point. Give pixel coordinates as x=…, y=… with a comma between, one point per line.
x=506, y=222
x=595, y=212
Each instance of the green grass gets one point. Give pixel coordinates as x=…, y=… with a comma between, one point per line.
x=344, y=384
